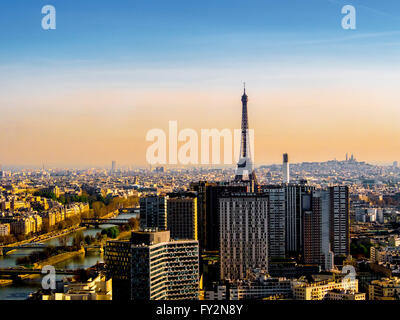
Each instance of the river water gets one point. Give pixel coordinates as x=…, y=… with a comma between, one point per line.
x=22, y=290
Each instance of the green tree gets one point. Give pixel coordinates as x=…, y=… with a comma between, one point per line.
x=78, y=239
x=89, y=239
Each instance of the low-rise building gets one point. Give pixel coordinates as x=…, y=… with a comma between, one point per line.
x=219, y=293
x=344, y=295
x=385, y=255
x=258, y=286
x=385, y=289
x=5, y=229
x=21, y=226
x=98, y=288
x=320, y=290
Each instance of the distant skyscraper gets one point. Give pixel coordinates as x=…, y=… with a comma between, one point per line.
x=152, y=267
x=160, y=169
x=113, y=166
x=245, y=164
x=208, y=195
x=200, y=188
x=339, y=220
x=276, y=220
x=153, y=212
x=395, y=164
x=243, y=234
x=294, y=216
x=317, y=248
x=182, y=215
x=285, y=168
x=326, y=225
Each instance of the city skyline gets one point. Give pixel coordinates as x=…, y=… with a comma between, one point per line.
x=133, y=166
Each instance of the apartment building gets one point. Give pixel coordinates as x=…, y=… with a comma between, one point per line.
x=243, y=234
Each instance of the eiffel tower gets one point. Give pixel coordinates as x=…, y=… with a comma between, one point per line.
x=245, y=165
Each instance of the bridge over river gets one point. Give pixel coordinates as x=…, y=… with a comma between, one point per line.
x=99, y=221
x=18, y=274
x=34, y=245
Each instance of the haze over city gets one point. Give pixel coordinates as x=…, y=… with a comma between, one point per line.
x=199, y=151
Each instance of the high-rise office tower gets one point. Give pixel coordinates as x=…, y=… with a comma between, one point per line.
x=276, y=220
x=243, y=234
x=339, y=220
x=316, y=215
x=182, y=215
x=113, y=166
x=294, y=217
x=152, y=267
x=208, y=210
x=153, y=212
x=245, y=164
x=285, y=168
x=200, y=188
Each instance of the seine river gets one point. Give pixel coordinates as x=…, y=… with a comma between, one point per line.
x=22, y=290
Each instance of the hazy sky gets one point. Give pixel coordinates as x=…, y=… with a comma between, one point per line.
x=88, y=92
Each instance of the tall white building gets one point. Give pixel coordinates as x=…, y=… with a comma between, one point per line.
x=243, y=234
x=339, y=220
x=285, y=168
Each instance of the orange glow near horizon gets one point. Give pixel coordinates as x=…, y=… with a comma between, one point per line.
x=93, y=128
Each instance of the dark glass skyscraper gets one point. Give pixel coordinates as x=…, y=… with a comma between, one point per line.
x=208, y=210
x=153, y=212
x=294, y=216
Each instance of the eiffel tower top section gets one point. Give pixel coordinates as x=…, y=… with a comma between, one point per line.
x=245, y=165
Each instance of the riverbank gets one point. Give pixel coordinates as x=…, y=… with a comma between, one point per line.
x=50, y=261
x=65, y=233
x=81, y=261
x=58, y=258
x=4, y=282
x=47, y=236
